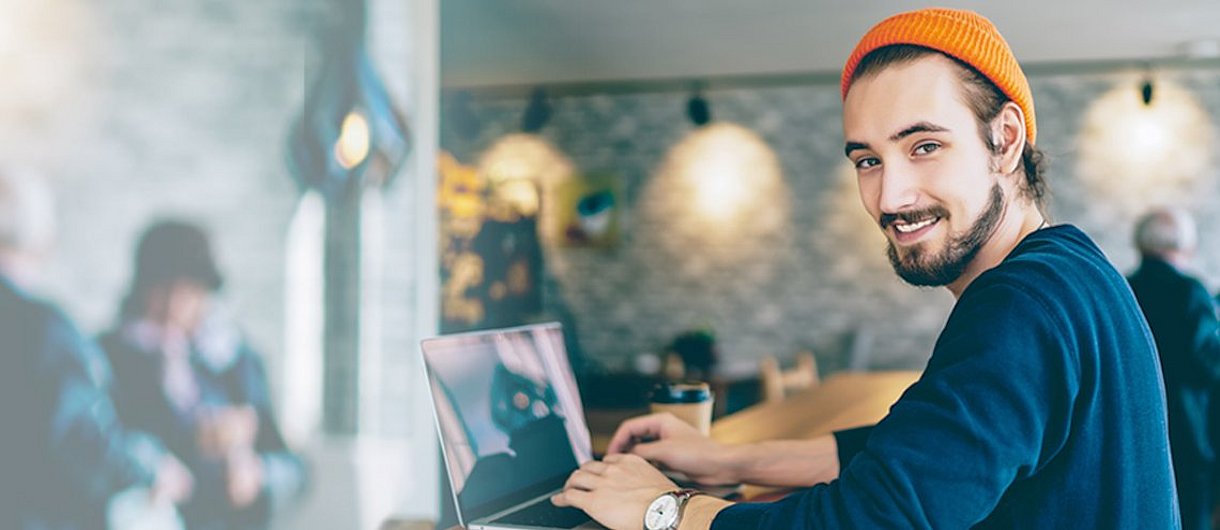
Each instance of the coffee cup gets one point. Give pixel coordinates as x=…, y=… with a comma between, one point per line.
x=690, y=401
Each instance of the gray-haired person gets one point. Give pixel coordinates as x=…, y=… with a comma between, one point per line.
x=63, y=453
x=1183, y=322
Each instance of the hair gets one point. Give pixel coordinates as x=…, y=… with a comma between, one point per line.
x=27, y=211
x=1164, y=231
x=985, y=101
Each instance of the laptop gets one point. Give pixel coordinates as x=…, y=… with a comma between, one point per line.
x=511, y=425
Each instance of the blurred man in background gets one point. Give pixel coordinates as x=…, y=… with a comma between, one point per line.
x=63, y=451
x=1183, y=322
x=186, y=373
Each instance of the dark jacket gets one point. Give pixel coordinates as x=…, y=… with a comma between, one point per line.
x=1041, y=407
x=236, y=379
x=1183, y=321
x=63, y=451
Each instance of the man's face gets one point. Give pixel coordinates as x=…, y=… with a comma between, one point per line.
x=924, y=173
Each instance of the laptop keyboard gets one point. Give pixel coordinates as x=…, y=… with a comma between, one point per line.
x=543, y=513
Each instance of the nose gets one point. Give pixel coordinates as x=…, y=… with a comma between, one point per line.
x=899, y=188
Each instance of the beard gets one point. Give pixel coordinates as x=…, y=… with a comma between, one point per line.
x=924, y=269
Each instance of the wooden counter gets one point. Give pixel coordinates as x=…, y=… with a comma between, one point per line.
x=842, y=401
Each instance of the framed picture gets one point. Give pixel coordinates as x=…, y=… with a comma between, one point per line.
x=588, y=210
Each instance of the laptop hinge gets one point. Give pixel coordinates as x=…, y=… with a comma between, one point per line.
x=492, y=518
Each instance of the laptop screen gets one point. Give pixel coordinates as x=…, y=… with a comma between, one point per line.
x=509, y=415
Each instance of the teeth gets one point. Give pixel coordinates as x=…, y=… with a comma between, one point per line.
x=908, y=228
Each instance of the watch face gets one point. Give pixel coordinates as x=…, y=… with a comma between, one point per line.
x=662, y=513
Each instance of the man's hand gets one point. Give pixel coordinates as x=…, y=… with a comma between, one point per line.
x=244, y=477
x=673, y=444
x=225, y=429
x=616, y=491
x=173, y=482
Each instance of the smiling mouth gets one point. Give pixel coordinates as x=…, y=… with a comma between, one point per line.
x=904, y=227
x=910, y=231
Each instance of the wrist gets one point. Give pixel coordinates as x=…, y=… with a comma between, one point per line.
x=732, y=463
x=700, y=511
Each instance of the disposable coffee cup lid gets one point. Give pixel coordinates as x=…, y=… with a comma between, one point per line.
x=683, y=392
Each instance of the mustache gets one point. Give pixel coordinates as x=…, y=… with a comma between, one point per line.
x=911, y=216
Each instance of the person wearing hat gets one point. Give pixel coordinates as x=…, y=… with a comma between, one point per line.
x=184, y=371
x=1041, y=405
x=64, y=454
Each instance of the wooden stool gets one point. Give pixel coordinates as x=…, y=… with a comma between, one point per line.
x=777, y=383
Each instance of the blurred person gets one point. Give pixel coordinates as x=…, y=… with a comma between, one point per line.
x=1183, y=322
x=1042, y=404
x=1213, y=427
x=185, y=372
x=63, y=451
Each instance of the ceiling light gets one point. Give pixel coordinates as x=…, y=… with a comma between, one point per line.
x=698, y=109
x=537, y=113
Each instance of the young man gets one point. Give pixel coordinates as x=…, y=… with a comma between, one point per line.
x=1183, y=322
x=1041, y=405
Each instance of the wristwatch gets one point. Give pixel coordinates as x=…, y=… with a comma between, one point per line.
x=665, y=513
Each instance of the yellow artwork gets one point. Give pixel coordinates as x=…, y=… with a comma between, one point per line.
x=491, y=259
x=460, y=197
x=465, y=274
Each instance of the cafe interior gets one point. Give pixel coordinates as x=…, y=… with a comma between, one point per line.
x=665, y=180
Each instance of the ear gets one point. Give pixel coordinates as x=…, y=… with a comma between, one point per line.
x=1008, y=135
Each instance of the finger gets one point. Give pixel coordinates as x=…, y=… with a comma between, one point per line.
x=630, y=431
x=615, y=458
x=573, y=498
x=583, y=480
x=653, y=452
x=594, y=466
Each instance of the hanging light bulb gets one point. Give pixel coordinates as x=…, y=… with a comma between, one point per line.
x=349, y=134
x=698, y=109
x=1147, y=89
x=537, y=113
x=352, y=147
x=1146, y=92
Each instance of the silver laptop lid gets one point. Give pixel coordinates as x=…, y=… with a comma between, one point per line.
x=509, y=415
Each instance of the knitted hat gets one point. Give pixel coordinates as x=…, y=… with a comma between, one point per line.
x=963, y=35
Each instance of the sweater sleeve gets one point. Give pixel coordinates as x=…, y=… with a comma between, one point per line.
x=993, y=406
x=850, y=442
x=285, y=472
x=1204, y=335
x=88, y=441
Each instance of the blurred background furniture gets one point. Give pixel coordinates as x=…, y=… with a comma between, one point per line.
x=778, y=383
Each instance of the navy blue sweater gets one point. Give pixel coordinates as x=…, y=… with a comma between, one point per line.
x=1041, y=407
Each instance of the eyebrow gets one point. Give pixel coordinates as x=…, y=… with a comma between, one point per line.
x=918, y=127
x=852, y=146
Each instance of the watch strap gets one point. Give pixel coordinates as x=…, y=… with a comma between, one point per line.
x=683, y=495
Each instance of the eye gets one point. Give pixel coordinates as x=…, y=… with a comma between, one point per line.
x=926, y=148
x=867, y=162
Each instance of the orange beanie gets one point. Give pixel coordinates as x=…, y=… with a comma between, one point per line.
x=963, y=35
